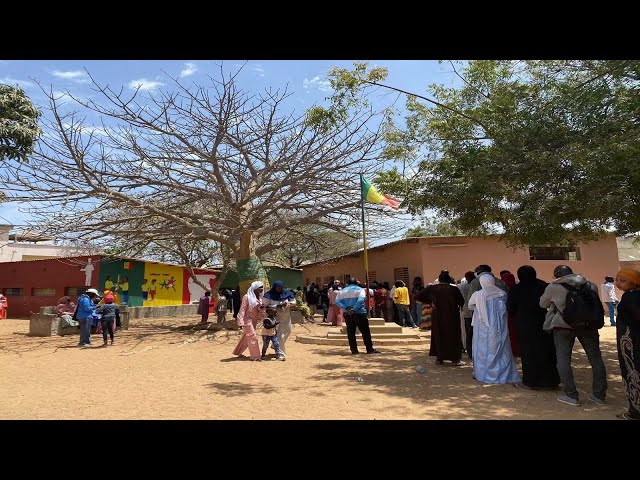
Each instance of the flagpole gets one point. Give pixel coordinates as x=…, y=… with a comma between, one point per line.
x=364, y=247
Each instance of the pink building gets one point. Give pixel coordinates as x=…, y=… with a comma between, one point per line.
x=426, y=256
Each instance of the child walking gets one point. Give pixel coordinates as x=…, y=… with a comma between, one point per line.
x=269, y=334
x=109, y=311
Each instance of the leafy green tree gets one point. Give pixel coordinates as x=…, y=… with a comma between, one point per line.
x=431, y=227
x=543, y=151
x=18, y=124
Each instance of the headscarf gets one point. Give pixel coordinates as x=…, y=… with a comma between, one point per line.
x=508, y=279
x=279, y=296
x=489, y=291
x=108, y=299
x=630, y=274
x=66, y=300
x=251, y=294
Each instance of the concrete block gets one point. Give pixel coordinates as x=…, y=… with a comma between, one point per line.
x=40, y=324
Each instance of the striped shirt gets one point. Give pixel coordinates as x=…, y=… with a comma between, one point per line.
x=352, y=296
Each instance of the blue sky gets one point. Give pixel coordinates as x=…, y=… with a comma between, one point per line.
x=305, y=78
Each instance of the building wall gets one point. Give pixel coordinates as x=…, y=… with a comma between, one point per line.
x=459, y=254
x=15, y=251
x=117, y=270
x=58, y=274
x=61, y=273
x=382, y=263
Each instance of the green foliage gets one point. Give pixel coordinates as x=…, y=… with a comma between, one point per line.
x=431, y=227
x=347, y=86
x=545, y=151
x=18, y=124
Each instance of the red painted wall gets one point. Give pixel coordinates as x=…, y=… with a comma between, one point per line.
x=58, y=273
x=186, y=297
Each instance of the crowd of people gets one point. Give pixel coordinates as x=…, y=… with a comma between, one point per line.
x=492, y=320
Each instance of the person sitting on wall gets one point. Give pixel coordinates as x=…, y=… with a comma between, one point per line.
x=64, y=310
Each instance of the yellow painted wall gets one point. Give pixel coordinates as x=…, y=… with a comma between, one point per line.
x=165, y=276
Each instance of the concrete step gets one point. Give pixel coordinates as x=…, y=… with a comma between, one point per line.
x=377, y=342
x=392, y=328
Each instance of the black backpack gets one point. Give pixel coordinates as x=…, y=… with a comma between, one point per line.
x=583, y=308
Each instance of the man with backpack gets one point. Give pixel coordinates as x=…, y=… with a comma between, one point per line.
x=84, y=315
x=575, y=311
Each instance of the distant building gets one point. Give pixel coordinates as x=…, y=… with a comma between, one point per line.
x=629, y=252
x=25, y=245
x=30, y=285
x=426, y=256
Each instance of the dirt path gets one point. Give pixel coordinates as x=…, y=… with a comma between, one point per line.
x=158, y=370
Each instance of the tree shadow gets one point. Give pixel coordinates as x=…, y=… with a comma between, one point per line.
x=241, y=389
x=447, y=391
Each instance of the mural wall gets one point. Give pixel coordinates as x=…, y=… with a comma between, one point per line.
x=128, y=275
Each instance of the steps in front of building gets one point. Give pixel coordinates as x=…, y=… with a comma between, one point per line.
x=377, y=341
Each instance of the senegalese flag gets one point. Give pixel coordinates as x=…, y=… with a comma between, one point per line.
x=371, y=195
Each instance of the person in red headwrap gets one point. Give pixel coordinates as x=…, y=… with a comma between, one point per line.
x=509, y=280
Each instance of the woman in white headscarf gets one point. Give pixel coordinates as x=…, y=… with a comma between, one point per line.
x=492, y=357
x=251, y=311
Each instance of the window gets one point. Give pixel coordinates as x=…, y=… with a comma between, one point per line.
x=372, y=276
x=307, y=281
x=74, y=291
x=12, y=292
x=554, y=253
x=401, y=274
x=318, y=280
x=346, y=278
x=327, y=280
x=43, y=292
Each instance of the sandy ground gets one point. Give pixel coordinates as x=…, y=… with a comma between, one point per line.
x=160, y=369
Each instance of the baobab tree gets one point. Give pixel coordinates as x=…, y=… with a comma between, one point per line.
x=202, y=163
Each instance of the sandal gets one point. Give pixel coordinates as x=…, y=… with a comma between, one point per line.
x=523, y=386
x=626, y=416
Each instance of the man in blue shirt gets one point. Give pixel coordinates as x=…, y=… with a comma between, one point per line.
x=84, y=315
x=351, y=300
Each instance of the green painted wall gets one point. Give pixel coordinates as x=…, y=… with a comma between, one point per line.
x=291, y=278
x=115, y=268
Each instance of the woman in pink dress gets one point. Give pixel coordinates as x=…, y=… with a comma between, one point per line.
x=251, y=311
x=335, y=315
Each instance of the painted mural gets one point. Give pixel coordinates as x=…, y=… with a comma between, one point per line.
x=193, y=291
x=163, y=285
x=124, y=278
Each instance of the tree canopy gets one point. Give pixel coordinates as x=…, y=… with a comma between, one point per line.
x=18, y=124
x=196, y=163
x=542, y=151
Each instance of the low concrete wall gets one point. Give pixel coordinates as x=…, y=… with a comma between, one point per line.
x=157, y=312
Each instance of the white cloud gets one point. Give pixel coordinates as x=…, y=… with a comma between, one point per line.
x=315, y=82
x=144, y=84
x=190, y=69
x=258, y=69
x=15, y=81
x=79, y=76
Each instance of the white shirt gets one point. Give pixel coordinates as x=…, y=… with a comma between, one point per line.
x=609, y=292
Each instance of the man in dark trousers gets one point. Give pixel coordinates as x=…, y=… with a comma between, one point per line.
x=564, y=337
x=351, y=300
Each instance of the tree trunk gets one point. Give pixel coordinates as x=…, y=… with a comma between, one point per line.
x=248, y=265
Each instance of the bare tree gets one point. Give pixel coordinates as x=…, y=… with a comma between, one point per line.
x=195, y=163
